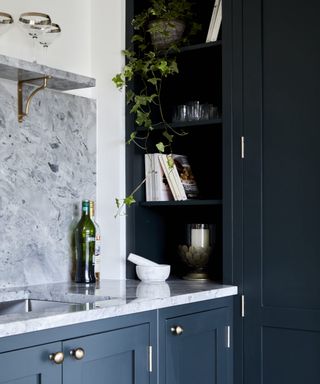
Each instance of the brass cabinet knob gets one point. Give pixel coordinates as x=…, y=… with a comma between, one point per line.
x=177, y=330
x=57, y=357
x=77, y=353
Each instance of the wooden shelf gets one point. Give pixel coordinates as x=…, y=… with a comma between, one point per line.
x=198, y=123
x=187, y=124
x=185, y=203
x=196, y=47
x=19, y=70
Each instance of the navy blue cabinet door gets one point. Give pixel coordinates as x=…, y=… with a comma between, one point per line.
x=115, y=357
x=31, y=366
x=195, y=348
x=281, y=191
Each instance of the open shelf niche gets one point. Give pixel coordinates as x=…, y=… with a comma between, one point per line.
x=156, y=228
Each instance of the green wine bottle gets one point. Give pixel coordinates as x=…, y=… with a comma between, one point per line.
x=85, y=235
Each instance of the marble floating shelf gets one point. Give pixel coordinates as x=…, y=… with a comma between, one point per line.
x=21, y=70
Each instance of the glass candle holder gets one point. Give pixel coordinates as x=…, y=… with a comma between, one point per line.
x=196, y=251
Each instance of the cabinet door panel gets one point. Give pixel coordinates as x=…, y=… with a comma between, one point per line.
x=115, y=357
x=199, y=353
x=281, y=191
x=30, y=366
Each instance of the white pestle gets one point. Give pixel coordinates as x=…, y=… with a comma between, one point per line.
x=139, y=260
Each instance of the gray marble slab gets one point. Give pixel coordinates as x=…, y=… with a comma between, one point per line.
x=47, y=166
x=110, y=298
x=17, y=69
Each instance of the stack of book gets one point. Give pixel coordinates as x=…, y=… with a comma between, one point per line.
x=215, y=22
x=169, y=177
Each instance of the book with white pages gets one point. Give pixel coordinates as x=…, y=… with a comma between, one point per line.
x=170, y=177
x=162, y=191
x=181, y=191
x=213, y=20
x=149, y=176
x=157, y=188
x=217, y=24
x=186, y=176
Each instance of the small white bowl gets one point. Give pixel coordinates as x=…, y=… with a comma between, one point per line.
x=153, y=273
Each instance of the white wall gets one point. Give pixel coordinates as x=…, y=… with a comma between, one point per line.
x=71, y=51
x=90, y=44
x=108, y=38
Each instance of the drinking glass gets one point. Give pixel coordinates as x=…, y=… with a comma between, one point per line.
x=32, y=24
x=180, y=113
x=196, y=250
x=48, y=35
x=6, y=21
x=193, y=110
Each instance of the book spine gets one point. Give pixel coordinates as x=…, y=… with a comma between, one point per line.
x=213, y=20
x=217, y=23
x=153, y=178
x=176, y=176
x=164, y=163
x=148, y=176
x=162, y=187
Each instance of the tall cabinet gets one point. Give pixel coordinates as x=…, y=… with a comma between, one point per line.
x=258, y=167
x=279, y=184
x=155, y=229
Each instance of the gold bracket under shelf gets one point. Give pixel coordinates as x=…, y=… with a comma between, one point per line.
x=21, y=112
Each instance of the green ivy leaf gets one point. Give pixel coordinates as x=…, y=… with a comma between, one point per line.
x=174, y=67
x=130, y=95
x=133, y=135
x=143, y=118
x=141, y=100
x=167, y=135
x=118, y=80
x=154, y=80
x=137, y=37
x=129, y=200
x=163, y=67
x=161, y=147
x=142, y=47
x=128, y=72
x=128, y=53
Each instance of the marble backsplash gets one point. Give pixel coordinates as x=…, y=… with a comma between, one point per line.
x=47, y=166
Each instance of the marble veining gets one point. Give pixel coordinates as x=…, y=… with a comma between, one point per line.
x=47, y=165
x=17, y=69
x=111, y=298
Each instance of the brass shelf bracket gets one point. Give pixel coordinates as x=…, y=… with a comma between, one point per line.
x=23, y=113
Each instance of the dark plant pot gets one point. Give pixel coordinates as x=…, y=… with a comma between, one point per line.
x=164, y=33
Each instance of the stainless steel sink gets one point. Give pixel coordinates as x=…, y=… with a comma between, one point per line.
x=32, y=305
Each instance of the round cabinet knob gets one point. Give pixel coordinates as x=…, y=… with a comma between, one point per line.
x=77, y=353
x=57, y=357
x=177, y=330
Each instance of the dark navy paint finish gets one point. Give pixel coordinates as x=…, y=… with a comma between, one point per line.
x=200, y=353
x=281, y=187
x=116, y=357
x=30, y=366
x=116, y=349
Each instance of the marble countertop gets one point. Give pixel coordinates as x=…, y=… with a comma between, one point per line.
x=110, y=298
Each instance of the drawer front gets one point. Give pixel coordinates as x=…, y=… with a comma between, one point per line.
x=196, y=348
x=31, y=366
x=115, y=357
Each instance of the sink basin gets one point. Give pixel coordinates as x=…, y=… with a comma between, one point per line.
x=32, y=305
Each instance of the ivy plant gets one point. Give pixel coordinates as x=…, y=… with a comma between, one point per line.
x=149, y=66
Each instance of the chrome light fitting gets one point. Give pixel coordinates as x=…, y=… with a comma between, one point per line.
x=33, y=23
x=29, y=19
x=6, y=21
x=49, y=34
x=5, y=18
